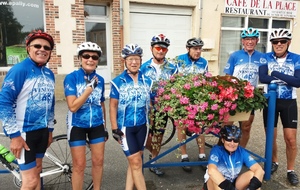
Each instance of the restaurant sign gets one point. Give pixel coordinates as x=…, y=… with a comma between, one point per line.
x=270, y=8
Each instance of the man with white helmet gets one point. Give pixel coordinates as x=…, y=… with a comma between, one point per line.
x=192, y=63
x=129, y=112
x=157, y=68
x=84, y=91
x=244, y=65
x=283, y=67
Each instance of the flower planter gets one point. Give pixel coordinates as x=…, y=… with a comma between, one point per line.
x=240, y=116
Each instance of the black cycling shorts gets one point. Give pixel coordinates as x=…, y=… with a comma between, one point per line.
x=288, y=112
x=37, y=142
x=77, y=136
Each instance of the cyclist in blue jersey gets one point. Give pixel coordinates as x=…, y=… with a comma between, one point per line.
x=157, y=68
x=283, y=67
x=84, y=91
x=226, y=161
x=244, y=65
x=27, y=107
x=192, y=63
x=129, y=113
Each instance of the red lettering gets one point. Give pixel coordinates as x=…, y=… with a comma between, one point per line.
x=290, y=6
x=236, y=3
x=255, y=3
x=267, y=4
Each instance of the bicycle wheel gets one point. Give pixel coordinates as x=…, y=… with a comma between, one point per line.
x=169, y=133
x=60, y=152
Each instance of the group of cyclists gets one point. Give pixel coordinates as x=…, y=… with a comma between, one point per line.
x=28, y=116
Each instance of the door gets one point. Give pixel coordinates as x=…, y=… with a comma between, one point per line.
x=96, y=30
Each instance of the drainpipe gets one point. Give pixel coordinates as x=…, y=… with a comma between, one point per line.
x=201, y=9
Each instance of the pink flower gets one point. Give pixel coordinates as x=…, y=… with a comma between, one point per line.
x=184, y=100
x=173, y=90
x=187, y=86
x=214, y=107
x=210, y=116
x=167, y=97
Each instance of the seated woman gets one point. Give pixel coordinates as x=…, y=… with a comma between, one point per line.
x=226, y=161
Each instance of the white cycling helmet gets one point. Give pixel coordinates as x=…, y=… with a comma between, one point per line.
x=161, y=40
x=131, y=49
x=89, y=46
x=281, y=33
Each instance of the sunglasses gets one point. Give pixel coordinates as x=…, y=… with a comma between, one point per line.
x=87, y=56
x=232, y=139
x=275, y=42
x=158, y=48
x=39, y=46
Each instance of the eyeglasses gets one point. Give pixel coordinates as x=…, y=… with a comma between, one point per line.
x=39, y=46
x=87, y=56
x=232, y=139
x=130, y=60
x=275, y=42
x=158, y=48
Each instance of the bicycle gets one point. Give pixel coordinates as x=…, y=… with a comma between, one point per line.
x=57, y=166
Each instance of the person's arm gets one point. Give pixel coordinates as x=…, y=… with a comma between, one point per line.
x=113, y=110
x=264, y=77
x=214, y=174
x=290, y=80
x=258, y=171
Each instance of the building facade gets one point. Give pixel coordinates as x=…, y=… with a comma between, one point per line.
x=113, y=23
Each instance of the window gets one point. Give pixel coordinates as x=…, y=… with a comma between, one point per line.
x=231, y=34
x=17, y=20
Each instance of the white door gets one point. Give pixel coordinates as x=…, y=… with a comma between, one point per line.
x=97, y=31
x=149, y=20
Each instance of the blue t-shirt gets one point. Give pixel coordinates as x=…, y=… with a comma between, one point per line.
x=133, y=99
x=90, y=114
x=230, y=165
x=187, y=66
x=27, y=99
x=288, y=68
x=244, y=66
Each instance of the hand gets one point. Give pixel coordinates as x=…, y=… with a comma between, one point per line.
x=278, y=82
x=106, y=134
x=226, y=185
x=117, y=135
x=16, y=146
x=254, y=184
x=92, y=83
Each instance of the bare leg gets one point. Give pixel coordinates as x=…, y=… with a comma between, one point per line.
x=79, y=163
x=31, y=178
x=97, y=164
x=246, y=128
x=290, y=137
x=135, y=174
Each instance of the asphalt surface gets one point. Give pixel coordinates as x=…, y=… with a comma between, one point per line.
x=115, y=164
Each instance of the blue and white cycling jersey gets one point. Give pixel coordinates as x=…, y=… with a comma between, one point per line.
x=91, y=113
x=291, y=64
x=229, y=165
x=244, y=66
x=186, y=66
x=167, y=70
x=133, y=99
x=27, y=99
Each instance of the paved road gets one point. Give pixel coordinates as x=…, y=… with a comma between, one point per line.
x=175, y=178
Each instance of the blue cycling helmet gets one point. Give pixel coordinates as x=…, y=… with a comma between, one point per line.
x=131, y=49
x=230, y=131
x=250, y=33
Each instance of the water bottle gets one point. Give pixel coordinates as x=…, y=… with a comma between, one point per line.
x=6, y=154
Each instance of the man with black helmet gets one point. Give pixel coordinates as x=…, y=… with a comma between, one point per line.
x=157, y=68
x=283, y=67
x=226, y=161
x=192, y=63
x=27, y=107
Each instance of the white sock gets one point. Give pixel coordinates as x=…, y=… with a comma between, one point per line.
x=202, y=155
x=184, y=156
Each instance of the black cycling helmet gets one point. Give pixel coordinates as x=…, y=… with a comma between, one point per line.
x=231, y=132
x=194, y=42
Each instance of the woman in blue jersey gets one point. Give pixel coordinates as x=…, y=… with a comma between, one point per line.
x=84, y=91
x=27, y=107
x=226, y=161
x=283, y=67
x=129, y=112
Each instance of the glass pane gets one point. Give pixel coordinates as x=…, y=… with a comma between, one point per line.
x=92, y=10
x=96, y=32
x=258, y=23
x=263, y=41
x=230, y=42
x=17, y=20
x=238, y=22
x=280, y=24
